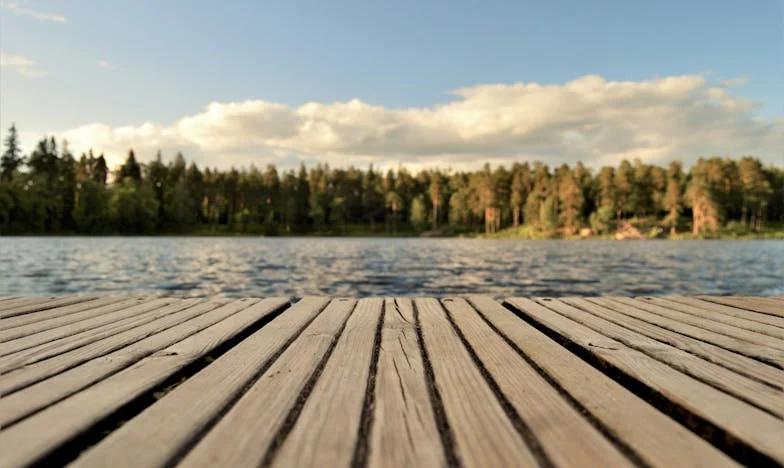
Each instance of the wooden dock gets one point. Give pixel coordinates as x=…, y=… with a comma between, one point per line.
x=610, y=381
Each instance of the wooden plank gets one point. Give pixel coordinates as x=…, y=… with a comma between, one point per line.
x=45, y=345
x=23, y=300
x=702, y=314
x=8, y=298
x=404, y=430
x=18, y=405
x=13, y=301
x=124, y=309
x=746, y=303
x=715, y=354
x=745, y=348
x=155, y=438
x=724, y=327
x=751, y=391
x=37, y=305
x=313, y=441
x=547, y=415
x=20, y=378
x=757, y=430
x=60, y=423
x=658, y=442
x=52, y=318
x=714, y=308
x=482, y=432
x=243, y=436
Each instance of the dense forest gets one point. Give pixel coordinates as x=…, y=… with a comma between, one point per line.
x=51, y=191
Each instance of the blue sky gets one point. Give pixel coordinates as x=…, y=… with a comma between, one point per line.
x=167, y=60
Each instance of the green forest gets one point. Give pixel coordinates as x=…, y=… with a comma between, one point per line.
x=51, y=191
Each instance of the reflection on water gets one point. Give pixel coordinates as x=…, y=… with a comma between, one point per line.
x=182, y=266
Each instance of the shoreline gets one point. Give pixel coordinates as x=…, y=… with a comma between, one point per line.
x=778, y=235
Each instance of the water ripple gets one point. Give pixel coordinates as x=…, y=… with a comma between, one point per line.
x=186, y=267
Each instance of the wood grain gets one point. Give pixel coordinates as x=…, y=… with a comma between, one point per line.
x=722, y=318
x=36, y=304
x=19, y=378
x=715, y=354
x=549, y=416
x=744, y=388
x=741, y=421
x=652, y=436
x=404, y=431
x=54, y=317
x=748, y=303
x=337, y=399
x=155, y=438
x=23, y=403
x=743, y=347
x=713, y=308
x=243, y=436
x=58, y=340
x=725, y=327
x=483, y=433
x=58, y=424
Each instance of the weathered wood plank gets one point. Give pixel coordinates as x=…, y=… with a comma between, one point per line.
x=65, y=344
x=727, y=319
x=483, y=433
x=41, y=304
x=58, y=424
x=714, y=308
x=748, y=304
x=404, y=431
x=548, y=416
x=746, y=424
x=751, y=391
x=743, y=347
x=715, y=354
x=25, y=376
x=21, y=404
x=725, y=327
x=658, y=441
x=155, y=438
x=337, y=398
x=244, y=435
x=52, y=318
x=130, y=311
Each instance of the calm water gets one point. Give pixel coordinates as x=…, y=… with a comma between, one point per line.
x=361, y=267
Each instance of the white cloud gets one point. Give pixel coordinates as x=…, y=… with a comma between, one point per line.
x=588, y=119
x=21, y=64
x=105, y=65
x=15, y=8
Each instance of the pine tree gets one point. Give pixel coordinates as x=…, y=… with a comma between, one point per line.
x=673, y=196
x=12, y=158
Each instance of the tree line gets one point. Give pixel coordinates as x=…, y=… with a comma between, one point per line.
x=51, y=191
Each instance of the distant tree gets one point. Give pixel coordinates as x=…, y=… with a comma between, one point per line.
x=419, y=212
x=624, y=183
x=129, y=170
x=12, y=158
x=548, y=217
x=756, y=191
x=521, y=186
x=673, y=202
x=570, y=202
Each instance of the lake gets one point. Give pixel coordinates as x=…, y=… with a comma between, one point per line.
x=233, y=266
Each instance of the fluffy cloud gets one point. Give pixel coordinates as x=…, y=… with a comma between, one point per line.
x=15, y=8
x=21, y=64
x=105, y=65
x=588, y=119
